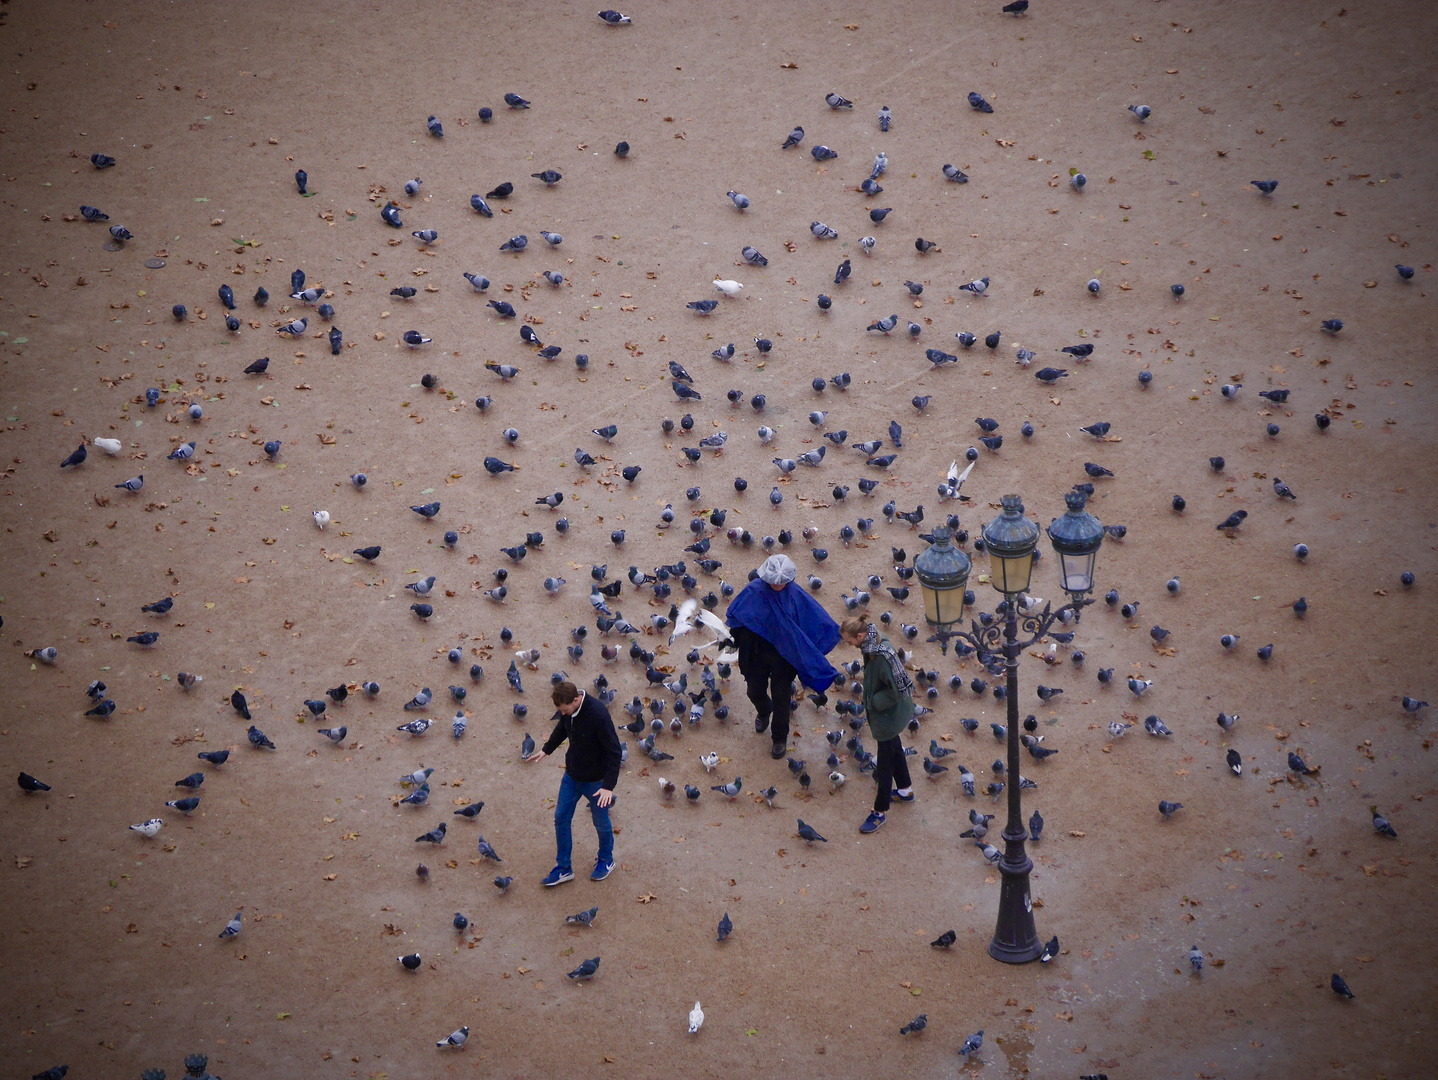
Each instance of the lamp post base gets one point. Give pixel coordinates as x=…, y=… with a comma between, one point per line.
x=1016, y=939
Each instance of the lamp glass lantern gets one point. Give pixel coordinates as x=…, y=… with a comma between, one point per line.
x=1010, y=540
x=1076, y=538
x=943, y=573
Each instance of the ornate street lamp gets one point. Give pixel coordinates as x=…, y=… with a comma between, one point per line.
x=943, y=573
x=1076, y=537
x=1010, y=540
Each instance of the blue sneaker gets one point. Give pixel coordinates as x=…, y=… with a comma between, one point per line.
x=602, y=870
x=557, y=877
x=902, y=798
x=872, y=823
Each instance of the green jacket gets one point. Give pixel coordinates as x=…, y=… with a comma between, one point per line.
x=889, y=710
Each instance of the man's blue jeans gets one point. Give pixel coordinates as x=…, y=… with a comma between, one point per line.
x=570, y=791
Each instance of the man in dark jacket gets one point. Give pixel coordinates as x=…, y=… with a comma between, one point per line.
x=591, y=769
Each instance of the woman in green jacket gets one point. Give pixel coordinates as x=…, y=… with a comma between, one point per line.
x=889, y=703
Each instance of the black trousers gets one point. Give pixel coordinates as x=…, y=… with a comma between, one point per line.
x=891, y=772
x=769, y=684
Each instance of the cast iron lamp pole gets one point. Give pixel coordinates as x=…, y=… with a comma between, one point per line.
x=1010, y=540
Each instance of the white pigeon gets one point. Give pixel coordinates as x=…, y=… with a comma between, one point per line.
x=110, y=446
x=148, y=828
x=836, y=780
x=322, y=518
x=457, y=1039
x=689, y=612
x=955, y=479
x=696, y=1019
x=709, y=760
x=728, y=288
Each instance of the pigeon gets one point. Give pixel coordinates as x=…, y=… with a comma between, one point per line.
x=972, y=1044
x=514, y=243
x=1235, y=761
x=549, y=176
x=584, y=918
x=487, y=851
x=232, y=928
x=885, y=118
x=794, y=139
x=585, y=970
x=147, y=829
x=1143, y=112
x=823, y=153
x=807, y=833
x=978, y=104
x=1195, y=960
x=1340, y=987
x=458, y=1038
x=916, y=1025
x=740, y=201
x=726, y=927
x=1266, y=187
x=696, y=1019
x=434, y=836
x=514, y=101
x=945, y=940
x=1381, y=824
x=1051, y=947
x=1167, y=808
x=955, y=175
x=731, y=789
x=411, y=961
x=1233, y=521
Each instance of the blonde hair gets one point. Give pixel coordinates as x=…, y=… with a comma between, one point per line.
x=855, y=625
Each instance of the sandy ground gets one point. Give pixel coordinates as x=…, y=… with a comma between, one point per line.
x=109, y=941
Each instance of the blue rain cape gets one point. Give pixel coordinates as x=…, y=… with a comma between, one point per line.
x=794, y=623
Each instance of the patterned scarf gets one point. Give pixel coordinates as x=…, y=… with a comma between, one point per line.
x=873, y=644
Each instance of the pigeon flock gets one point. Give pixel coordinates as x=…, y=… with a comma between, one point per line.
x=899, y=379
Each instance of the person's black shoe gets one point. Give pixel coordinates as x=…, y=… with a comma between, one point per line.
x=761, y=724
x=778, y=750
